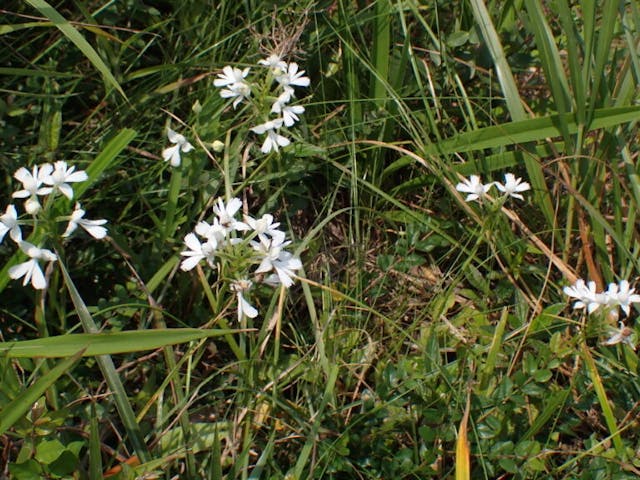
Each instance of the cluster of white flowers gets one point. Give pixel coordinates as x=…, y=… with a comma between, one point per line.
x=286, y=76
x=476, y=190
x=264, y=245
x=41, y=181
x=617, y=296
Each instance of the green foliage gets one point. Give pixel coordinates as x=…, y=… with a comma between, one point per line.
x=413, y=303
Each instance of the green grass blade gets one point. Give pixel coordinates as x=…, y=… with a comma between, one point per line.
x=535, y=129
x=78, y=40
x=553, y=405
x=20, y=405
x=172, y=204
x=110, y=373
x=603, y=400
x=105, y=343
x=303, y=457
x=574, y=58
x=513, y=101
x=105, y=159
x=551, y=63
x=606, y=29
x=4, y=29
x=381, y=43
x=496, y=345
x=95, y=456
x=503, y=70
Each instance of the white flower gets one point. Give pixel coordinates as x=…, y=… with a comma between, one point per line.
x=215, y=231
x=273, y=257
x=289, y=112
x=239, y=90
x=244, y=307
x=586, y=295
x=233, y=79
x=173, y=153
x=474, y=188
x=31, y=186
x=274, y=62
x=512, y=186
x=292, y=77
x=62, y=176
x=621, y=296
x=268, y=250
x=197, y=251
x=30, y=269
x=285, y=265
x=9, y=223
x=266, y=225
x=230, y=75
x=93, y=227
x=622, y=334
x=274, y=140
x=226, y=214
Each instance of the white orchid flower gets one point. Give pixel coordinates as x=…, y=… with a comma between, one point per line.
x=513, y=186
x=93, y=227
x=30, y=269
x=31, y=183
x=474, y=187
x=62, y=176
x=9, y=223
x=172, y=154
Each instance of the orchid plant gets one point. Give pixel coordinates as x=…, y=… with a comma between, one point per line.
x=252, y=247
x=43, y=183
x=477, y=191
x=277, y=88
x=618, y=296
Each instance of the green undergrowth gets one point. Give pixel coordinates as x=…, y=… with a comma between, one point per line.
x=412, y=306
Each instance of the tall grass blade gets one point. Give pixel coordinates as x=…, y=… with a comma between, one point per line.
x=503, y=69
x=551, y=63
x=574, y=58
x=95, y=456
x=513, y=100
x=105, y=159
x=381, y=43
x=19, y=406
x=609, y=418
x=109, y=343
x=110, y=373
x=79, y=41
x=535, y=129
x=606, y=27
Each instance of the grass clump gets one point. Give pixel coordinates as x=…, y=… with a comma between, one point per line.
x=323, y=240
